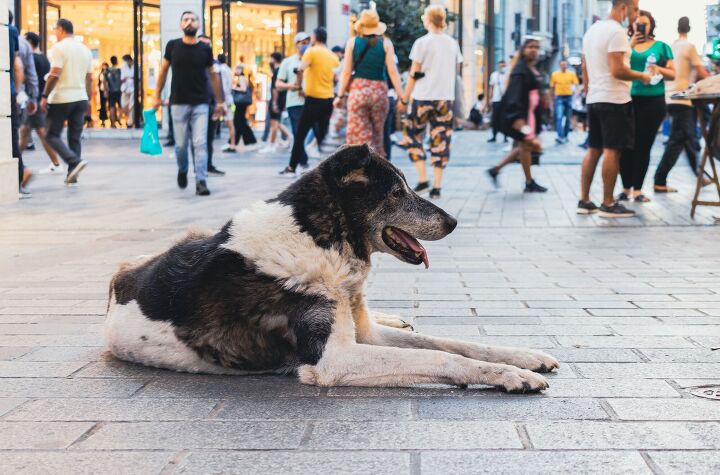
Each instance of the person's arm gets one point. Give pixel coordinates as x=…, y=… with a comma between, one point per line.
x=488, y=97
x=585, y=76
x=619, y=70
x=19, y=73
x=393, y=71
x=667, y=71
x=89, y=87
x=347, y=69
x=414, y=68
x=31, y=78
x=553, y=81
x=50, y=83
x=217, y=90
x=162, y=77
x=701, y=72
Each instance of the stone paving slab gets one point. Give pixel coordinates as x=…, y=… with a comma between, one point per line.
x=628, y=307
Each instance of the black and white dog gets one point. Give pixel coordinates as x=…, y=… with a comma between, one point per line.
x=280, y=289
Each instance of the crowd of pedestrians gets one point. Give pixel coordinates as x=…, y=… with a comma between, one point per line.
x=357, y=92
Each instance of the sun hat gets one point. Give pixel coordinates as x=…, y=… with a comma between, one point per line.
x=369, y=23
x=301, y=36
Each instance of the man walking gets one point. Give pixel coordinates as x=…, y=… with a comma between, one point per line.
x=561, y=85
x=127, y=90
x=192, y=65
x=688, y=69
x=36, y=121
x=607, y=77
x=114, y=91
x=66, y=94
x=213, y=120
x=496, y=89
x=318, y=68
x=287, y=81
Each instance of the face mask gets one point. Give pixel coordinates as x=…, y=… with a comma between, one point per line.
x=303, y=48
x=502, y=69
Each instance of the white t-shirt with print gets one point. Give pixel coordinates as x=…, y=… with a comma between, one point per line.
x=75, y=60
x=439, y=55
x=127, y=75
x=497, y=81
x=604, y=37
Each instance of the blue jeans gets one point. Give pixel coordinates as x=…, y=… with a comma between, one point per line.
x=563, y=108
x=191, y=119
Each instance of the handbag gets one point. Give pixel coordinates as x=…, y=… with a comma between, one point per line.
x=150, y=142
x=242, y=98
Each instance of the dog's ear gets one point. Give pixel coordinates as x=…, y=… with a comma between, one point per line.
x=347, y=165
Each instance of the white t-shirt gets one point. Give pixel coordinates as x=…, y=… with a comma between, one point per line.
x=686, y=60
x=497, y=81
x=439, y=55
x=75, y=60
x=604, y=37
x=127, y=72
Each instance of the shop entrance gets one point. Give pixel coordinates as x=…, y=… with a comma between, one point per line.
x=108, y=28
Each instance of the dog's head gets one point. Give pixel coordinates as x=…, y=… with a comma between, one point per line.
x=381, y=209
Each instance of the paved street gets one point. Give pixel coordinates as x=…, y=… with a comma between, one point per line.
x=631, y=308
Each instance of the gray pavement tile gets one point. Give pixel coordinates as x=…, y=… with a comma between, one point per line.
x=300, y=463
x=32, y=369
x=649, y=370
x=707, y=341
x=136, y=409
x=581, y=341
x=357, y=409
x=510, y=409
x=435, y=435
x=698, y=355
x=683, y=462
x=182, y=385
x=594, y=435
x=672, y=330
x=8, y=404
x=449, y=330
x=51, y=340
x=90, y=463
x=695, y=409
x=67, y=353
x=610, y=388
x=594, y=355
x=49, y=329
x=691, y=383
x=476, y=320
x=40, y=435
x=517, y=462
x=419, y=391
x=547, y=330
x=8, y=353
x=194, y=435
x=66, y=387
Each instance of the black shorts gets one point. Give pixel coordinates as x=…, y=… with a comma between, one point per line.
x=35, y=121
x=611, y=125
x=114, y=99
x=275, y=115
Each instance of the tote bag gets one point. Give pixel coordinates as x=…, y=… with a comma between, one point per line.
x=150, y=142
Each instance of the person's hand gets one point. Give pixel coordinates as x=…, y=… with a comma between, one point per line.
x=646, y=78
x=295, y=87
x=636, y=38
x=337, y=102
x=43, y=105
x=220, y=110
x=275, y=108
x=401, y=107
x=32, y=108
x=106, y=94
x=156, y=103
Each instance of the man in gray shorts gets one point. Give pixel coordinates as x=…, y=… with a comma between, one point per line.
x=36, y=121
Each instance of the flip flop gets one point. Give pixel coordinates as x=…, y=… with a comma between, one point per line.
x=641, y=199
x=665, y=189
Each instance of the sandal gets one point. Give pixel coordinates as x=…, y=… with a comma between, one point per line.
x=665, y=189
x=642, y=198
x=623, y=197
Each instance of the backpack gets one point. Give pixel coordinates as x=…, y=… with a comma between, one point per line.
x=112, y=77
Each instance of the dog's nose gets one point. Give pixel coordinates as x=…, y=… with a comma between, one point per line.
x=450, y=224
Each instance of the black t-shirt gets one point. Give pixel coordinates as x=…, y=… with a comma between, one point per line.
x=42, y=67
x=281, y=94
x=189, y=71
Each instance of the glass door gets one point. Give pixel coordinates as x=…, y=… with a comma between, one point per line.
x=49, y=15
x=148, y=54
x=288, y=29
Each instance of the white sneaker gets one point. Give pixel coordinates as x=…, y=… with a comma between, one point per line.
x=251, y=148
x=53, y=169
x=268, y=149
x=312, y=152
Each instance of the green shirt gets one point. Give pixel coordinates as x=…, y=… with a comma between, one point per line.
x=662, y=53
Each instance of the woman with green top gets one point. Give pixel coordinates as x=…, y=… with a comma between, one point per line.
x=369, y=61
x=655, y=58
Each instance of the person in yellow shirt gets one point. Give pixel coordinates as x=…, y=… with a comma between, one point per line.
x=561, y=84
x=316, y=74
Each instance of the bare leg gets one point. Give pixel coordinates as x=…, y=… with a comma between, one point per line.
x=610, y=169
x=437, y=176
x=511, y=157
x=48, y=149
x=231, y=130
x=422, y=173
x=526, y=161
x=273, y=131
x=588, y=172
x=24, y=137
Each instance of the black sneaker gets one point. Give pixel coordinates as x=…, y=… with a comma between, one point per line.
x=434, y=193
x=288, y=172
x=30, y=146
x=492, y=140
x=215, y=172
x=586, y=207
x=169, y=143
x=74, y=170
x=182, y=180
x=533, y=187
x=201, y=188
x=493, y=173
x=616, y=210
x=422, y=187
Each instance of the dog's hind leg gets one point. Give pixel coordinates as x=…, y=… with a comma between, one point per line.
x=390, y=321
x=523, y=358
x=352, y=364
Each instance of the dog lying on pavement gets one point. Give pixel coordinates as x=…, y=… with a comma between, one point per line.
x=279, y=289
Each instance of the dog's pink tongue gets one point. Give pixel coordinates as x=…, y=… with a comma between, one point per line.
x=415, y=246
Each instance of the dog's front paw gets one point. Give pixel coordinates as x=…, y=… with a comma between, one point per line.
x=534, y=360
x=521, y=381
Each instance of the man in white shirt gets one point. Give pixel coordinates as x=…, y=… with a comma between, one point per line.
x=607, y=73
x=65, y=98
x=496, y=89
x=688, y=69
x=127, y=89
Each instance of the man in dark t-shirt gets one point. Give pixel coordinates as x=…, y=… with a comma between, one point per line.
x=192, y=67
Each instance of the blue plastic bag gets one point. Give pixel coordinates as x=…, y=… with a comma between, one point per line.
x=150, y=143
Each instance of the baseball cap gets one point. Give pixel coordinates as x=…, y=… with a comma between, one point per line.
x=301, y=36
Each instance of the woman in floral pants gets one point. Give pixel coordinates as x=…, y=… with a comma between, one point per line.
x=369, y=60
